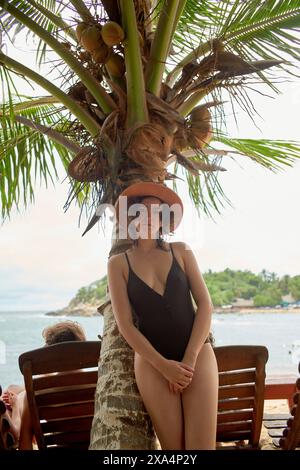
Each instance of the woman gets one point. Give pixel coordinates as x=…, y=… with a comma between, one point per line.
x=174, y=362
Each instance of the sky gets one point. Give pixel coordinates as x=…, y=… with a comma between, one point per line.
x=44, y=259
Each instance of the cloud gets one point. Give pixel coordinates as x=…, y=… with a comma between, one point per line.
x=43, y=252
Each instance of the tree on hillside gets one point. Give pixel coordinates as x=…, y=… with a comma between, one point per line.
x=294, y=287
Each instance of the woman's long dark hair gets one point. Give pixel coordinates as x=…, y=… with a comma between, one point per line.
x=160, y=240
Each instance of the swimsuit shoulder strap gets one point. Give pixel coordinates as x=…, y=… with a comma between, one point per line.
x=127, y=260
x=172, y=249
x=174, y=257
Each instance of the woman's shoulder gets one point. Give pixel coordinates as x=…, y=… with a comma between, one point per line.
x=181, y=246
x=181, y=249
x=116, y=260
x=116, y=266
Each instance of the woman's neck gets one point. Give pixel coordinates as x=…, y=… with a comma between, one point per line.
x=146, y=245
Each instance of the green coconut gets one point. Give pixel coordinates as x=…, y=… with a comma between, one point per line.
x=91, y=38
x=200, y=113
x=101, y=54
x=200, y=137
x=112, y=33
x=115, y=65
x=80, y=28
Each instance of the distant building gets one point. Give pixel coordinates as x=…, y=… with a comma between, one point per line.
x=288, y=298
x=240, y=302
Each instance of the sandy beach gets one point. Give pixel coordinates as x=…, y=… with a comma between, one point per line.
x=256, y=310
x=274, y=407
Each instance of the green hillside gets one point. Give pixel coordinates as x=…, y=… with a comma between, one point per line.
x=265, y=288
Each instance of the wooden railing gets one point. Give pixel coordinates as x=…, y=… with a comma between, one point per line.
x=280, y=387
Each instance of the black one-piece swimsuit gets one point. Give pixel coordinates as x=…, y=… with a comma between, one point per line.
x=165, y=320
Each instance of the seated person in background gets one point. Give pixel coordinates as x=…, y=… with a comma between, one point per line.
x=14, y=397
x=63, y=331
x=9, y=403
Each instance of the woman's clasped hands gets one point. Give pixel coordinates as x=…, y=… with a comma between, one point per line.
x=178, y=374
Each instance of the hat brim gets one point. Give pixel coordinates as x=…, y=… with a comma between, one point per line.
x=158, y=190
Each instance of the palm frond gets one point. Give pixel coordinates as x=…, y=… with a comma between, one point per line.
x=33, y=103
x=48, y=16
x=204, y=188
x=25, y=152
x=95, y=88
x=271, y=154
x=206, y=192
x=255, y=30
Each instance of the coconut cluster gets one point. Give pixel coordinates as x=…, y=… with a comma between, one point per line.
x=147, y=146
x=99, y=40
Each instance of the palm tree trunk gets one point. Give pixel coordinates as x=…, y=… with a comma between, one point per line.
x=121, y=420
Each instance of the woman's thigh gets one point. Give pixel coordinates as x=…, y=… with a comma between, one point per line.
x=164, y=407
x=200, y=402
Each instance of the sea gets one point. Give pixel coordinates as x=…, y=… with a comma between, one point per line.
x=279, y=332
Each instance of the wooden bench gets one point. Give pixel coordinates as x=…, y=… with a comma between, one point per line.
x=62, y=404
x=60, y=382
x=241, y=395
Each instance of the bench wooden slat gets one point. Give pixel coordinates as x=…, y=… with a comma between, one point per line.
x=65, y=438
x=234, y=447
x=239, y=391
x=62, y=380
x=70, y=446
x=235, y=416
x=66, y=411
x=66, y=397
x=64, y=425
x=237, y=377
x=233, y=436
x=62, y=357
x=235, y=404
x=233, y=427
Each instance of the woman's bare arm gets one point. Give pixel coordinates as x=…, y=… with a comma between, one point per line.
x=123, y=315
x=202, y=322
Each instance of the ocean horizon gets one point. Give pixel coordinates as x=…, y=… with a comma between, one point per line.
x=21, y=331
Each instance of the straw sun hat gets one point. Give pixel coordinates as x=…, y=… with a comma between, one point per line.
x=158, y=190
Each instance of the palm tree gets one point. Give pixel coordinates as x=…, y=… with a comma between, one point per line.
x=142, y=86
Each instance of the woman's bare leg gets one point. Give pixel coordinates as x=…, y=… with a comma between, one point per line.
x=200, y=402
x=26, y=431
x=13, y=417
x=164, y=407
